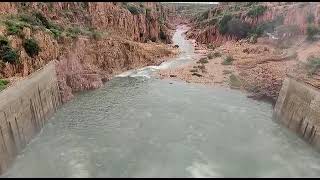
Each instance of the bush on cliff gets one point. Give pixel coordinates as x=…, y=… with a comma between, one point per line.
x=44, y=21
x=134, y=10
x=30, y=19
x=31, y=47
x=222, y=25
x=256, y=11
x=14, y=27
x=238, y=28
x=3, y=84
x=7, y=54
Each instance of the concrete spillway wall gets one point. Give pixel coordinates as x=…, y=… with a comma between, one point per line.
x=298, y=108
x=24, y=108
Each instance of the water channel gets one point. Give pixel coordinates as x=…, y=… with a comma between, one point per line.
x=141, y=126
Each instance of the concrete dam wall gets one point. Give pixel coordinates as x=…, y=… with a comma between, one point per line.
x=24, y=108
x=298, y=108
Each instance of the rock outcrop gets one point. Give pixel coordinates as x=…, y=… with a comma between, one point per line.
x=83, y=61
x=293, y=14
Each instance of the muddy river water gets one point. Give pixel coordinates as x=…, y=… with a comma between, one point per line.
x=141, y=126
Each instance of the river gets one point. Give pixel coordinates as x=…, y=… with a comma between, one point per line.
x=139, y=126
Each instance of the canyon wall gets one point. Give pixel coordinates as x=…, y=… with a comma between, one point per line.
x=129, y=40
x=298, y=108
x=24, y=108
x=294, y=14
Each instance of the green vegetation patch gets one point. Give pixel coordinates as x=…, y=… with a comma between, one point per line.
x=3, y=84
x=7, y=53
x=15, y=24
x=256, y=11
x=228, y=60
x=222, y=25
x=31, y=47
x=134, y=10
x=238, y=28
x=14, y=27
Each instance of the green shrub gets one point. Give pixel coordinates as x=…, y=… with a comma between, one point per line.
x=134, y=10
x=203, y=16
x=3, y=41
x=30, y=19
x=31, y=46
x=13, y=27
x=313, y=65
x=3, y=84
x=311, y=32
x=222, y=25
x=44, y=21
x=228, y=60
x=56, y=33
x=7, y=54
x=256, y=11
x=238, y=28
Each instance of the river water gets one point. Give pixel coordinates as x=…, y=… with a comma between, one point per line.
x=140, y=126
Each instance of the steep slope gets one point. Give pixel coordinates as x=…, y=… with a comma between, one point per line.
x=90, y=41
